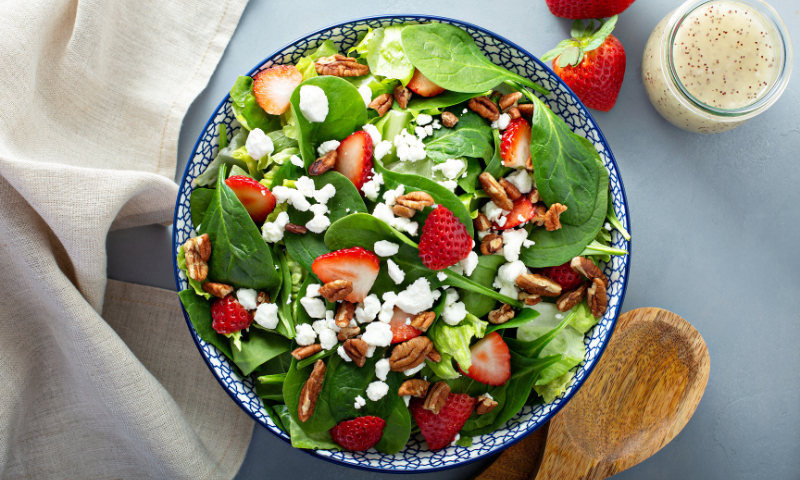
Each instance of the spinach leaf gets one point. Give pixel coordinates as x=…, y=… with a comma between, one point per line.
x=302, y=439
x=495, y=166
x=274, y=416
x=284, y=300
x=282, y=413
x=390, y=125
x=484, y=274
x=240, y=257
x=305, y=248
x=246, y=108
x=470, y=137
x=278, y=366
x=199, y=310
x=566, y=171
x=397, y=430
x=224, y=157
x=522, y=317
x=551, y=336
x=560, y=246
x=198, y=203
x=321, y=420
x=449, y=57
x=385, y=55
x=346, y=114
x=350, y=381
x=261, y=347
x=469, y=183
x=446, y=99
x=196, y=286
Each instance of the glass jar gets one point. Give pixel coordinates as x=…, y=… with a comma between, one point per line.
x=711, y=65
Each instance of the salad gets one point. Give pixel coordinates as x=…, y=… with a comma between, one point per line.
x=400, y=238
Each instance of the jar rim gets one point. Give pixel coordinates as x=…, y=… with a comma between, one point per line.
x=783, y=47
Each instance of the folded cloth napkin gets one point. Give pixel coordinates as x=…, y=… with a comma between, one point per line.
x=101, y=379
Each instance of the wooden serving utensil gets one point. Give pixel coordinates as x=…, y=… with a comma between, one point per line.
x=642, y=393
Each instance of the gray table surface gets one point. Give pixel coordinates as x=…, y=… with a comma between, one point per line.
x=715, y=219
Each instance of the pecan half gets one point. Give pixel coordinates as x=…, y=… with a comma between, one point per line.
x=496, y=192
x=262, y=297
x=491, y=244
x=356, y=349
x=381, y=104
x=533, y=196
x=485, y=404
x=528, y=298
x=336, y=290
x=513, y=113
x=501, y=315
x=526, y=109
x=416, y=200
x=437, y=397
x=596, y=298
x=410, y=354
x=196, y=252
x=449, y=119
x=571, y=298
x=402, y=95
x=323, y=164
x=423, y=321
x=512, y=192
x=434, y=356
x=588, y=269
x=482, y=222
x=293, y=228
x=510, y=100
x=340, y=66
x=344, y=314
x=219, y=290
x=305, y=352
x=539, y=210
x=348, y=332
x=551, y=218
x=415, y=387
x=495, y=95
x=484, y=107
x=538, y=285
x=403, y=211
x=310, y=392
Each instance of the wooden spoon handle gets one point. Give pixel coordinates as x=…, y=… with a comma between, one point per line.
x=520, y=461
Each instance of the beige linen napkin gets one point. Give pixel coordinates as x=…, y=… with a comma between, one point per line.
x=92, y=94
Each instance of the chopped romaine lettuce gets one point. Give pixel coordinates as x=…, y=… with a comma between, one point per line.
x=386, y=57
x=455, y=340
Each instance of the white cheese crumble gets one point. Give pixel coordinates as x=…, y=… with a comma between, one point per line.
x=384, y=212
x=407, y=399
x=297, y=161
x=454, y=311
x=327, y=147
x=331, y=321
x=325, y=193
x=305, y=334
x=421, y=133
x=258, y=144
x=502, y=221
x=559, y=316
x=424, y=119
x=273, y=231
x=382, y=369
x=313, y=103
x=607, y=226
x=390, y=196
x=522, y=180
x=464, y=111
x=328, y=339
x=506, y=279
x=366, y=94
x=436, y=124
x=429, y=130
x=373, y=132
x=267, y=315
x=367, y=311
x=412, y=371
x=441, y=276
x=378, y=334
x=503, y=121
x=342, y=353
x=291, y=196
x=449, y=184
x=416, y=298
x=315, y=307
x=247, y=297
x=382, y=149
x=372, y=188
x=450, y=168
x=512, y=243
x=371, y=351
x=470, y=263
x=409, y=147
x=318, y=224
x=305, y=186
x=493, y=212
x=395, y=272
x=377, y=390
x=312, y=290
x=385, y=248
x=359, y=400
x=319, y=209
x=387, y=309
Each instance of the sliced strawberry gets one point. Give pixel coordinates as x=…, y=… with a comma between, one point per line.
x=273, y=87
x=515, y=147
x=564, y=275
x=491, y=360
x=229, y=316
x=355, y=264
x=400, y=331
x=256, y=198
x=358, y=434
x=354, y=158
x=522, y=212
x=445, y=240
x=440, y=430
x=420, y=85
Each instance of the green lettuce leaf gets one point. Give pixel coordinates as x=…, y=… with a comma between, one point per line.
x=455, y=340
x=246, y=108
x=555, y=387
x=196, y=286
x=306, y=64
x=568, y=343
x=386, y=57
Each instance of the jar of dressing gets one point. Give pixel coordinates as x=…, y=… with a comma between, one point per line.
x=711, y=65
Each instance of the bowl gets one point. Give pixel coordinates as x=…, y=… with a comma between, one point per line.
x=416, y=457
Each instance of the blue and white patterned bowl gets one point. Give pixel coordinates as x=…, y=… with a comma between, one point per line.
x=416, y=457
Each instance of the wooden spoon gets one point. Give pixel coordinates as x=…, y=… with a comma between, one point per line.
x=642, y=393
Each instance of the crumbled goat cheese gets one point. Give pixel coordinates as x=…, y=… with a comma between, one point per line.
x=325, y=193
x=382, y=149
x=421, y=133
x=412, y=371
x=390, y=196
x=503, y=121
x=267, y=315
x=488, y=395
x=258, y=144
x=395, y=272
x=330, y=320
x=559, y=316
x=407, y=399
x=506, y=279
x=373, y=132
x=378, y=334
x=453, y=314
x=319, y=209
x=305, y=334
x=409, y=147
x=273, y=231
x=371, y=351
x=607, y=226
x=457, y=268
x=502, y=221
x=441, y=276
x=292, y=196
x=327, y=147
x=312, y=290
x=359, y=400
x=416, y=298
x=385, y=248
x=342, y=353
x=328, y=339
x=318, y=224
x=247, y=297
x=320, y=326
x=382, y=369
x=424, y=119
x=387, y=309
x=449, y=184
x=372, y=188
x=315, y=307
x=297, y=161
x=366, y=94
x=493, y=212
x=436, y=124
x=451, y=168
x=512, y=243
x=313, y=103
x=470, y=263
x=305, y=186
x=428, y=130
x=464, y=111
x=377, y=390
x=384, y=212
x=367, y=311
x=522, y=180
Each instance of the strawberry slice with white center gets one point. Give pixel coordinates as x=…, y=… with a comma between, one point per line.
x=420, y=85
x=273, y=87
x=400, y=330
x=522, y=212
x=354, y=158
x=354, y=264
x=515, y=147
x=256, y=198
x=491, y=360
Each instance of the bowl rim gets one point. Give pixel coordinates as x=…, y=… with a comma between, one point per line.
x=602, y=139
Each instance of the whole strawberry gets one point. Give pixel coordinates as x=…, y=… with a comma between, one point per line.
x=592, y=63
x=358, y=434
x=564, y=275
x=445, y=240
x=582, y=9
x=229, y=316
x=440, y=430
